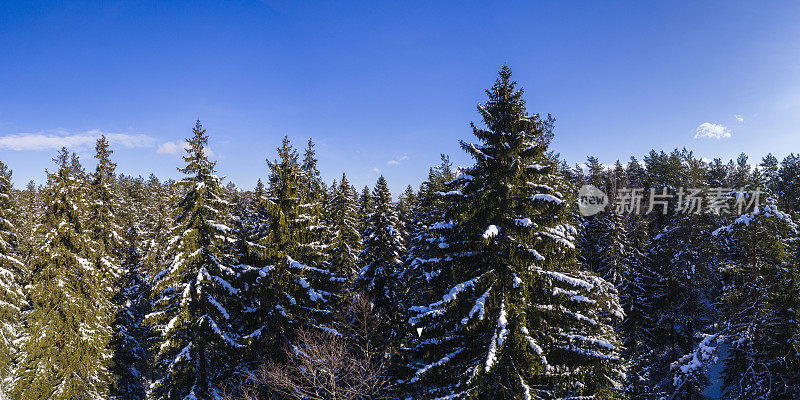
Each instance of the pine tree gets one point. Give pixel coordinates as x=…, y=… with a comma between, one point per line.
x=769, y=174
x=131, y=363
x=381, y=261
x=761, y=306
x=315, y=236
x=516, y=318
x=424, y=252
x=157, y=224
x=406, y=205
x=346, y=241
x=280, y=297
x=680, y=253
x=788, y=185
x=27, y=214
x=365, y=208
x=106, y=240
x=65, y=347
x=12, y=299
x=193, y=292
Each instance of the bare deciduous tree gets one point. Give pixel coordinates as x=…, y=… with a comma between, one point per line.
x=327, y=364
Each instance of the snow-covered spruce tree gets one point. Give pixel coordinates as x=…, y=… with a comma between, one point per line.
x=365, y=208
x=381, y=262
x=280, y=298
x=193, y=292
x=406, y=205
x=65, y=347
x=428, y=231
x=156, y=225
x=601, y=242
x=346, y=241
x=27, y=214
x=101, y=222
x=788, y=185
x=131, y=363
x=761, y=303
x=611, y=250
x=768, y=174
x=516, y=318
x=315, y=235
x=680, y=253
x=12, y=299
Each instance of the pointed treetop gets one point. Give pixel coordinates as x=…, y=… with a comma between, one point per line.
x=103, y=155
x=62, y=158
x=196, y=159
x=309, y=159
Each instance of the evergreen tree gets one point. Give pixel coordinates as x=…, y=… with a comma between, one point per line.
x=406, y=205
x=12, y=299
x=193, y=292
x=105, y=242
x=279, y=294
x=131, y=363
x=346, y=241
x=761, y=303
x=788, y=185
x=381, y=261
x=27, y=214
x=679, y=253
x=315, y=236
x=365, y=208
x=65, y=347
x=517, y=318
x=157, y=224
x=424, y=252
x=769, y=174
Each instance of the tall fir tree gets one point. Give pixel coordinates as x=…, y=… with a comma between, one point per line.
x=679, y=253
x=406, y=205
x=12, y=299
x=280, y=298
x=315, y=236
x=365, y=208
x=132, y=337
x=516, y=318
x=381, y=262
x=65, y=347
x=760, y=305
x=424, y=252
x=346, y=241
x=193, y=292
x=788, y=187
x=102, y=219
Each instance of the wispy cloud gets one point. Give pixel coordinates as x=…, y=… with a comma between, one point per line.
x=398, y=160
x=712, y=131
x=172, y=148
x=739, y=118
x=54, y=140
x=178, y=147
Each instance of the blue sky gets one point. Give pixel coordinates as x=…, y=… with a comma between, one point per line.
x=385, y=87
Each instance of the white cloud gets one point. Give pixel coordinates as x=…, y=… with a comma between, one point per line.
x=172, y=148
x=712, y=131
x=178, y=147
x=376, y=170
x=79, y=141
x=739, y=118
x=397, y=160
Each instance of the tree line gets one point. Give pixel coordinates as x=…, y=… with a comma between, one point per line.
x=483, y=282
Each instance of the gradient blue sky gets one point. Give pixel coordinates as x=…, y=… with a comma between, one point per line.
x=384, y=87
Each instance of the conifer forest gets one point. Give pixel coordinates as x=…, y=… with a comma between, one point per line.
x=485, y=281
